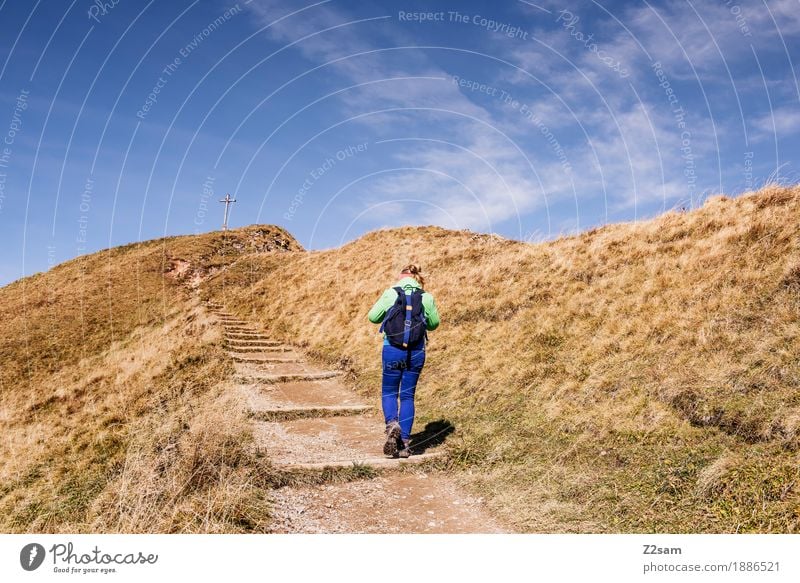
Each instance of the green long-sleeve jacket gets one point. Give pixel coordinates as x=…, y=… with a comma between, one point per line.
x=386, y=301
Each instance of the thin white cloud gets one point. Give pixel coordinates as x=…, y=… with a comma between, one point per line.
x=784, y=120
x=468, y=192
x=619, y=146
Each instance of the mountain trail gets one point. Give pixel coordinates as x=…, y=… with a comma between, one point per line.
x=309, y=424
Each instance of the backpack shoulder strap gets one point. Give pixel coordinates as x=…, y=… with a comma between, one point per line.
x=416, y=298
x=409, y=306
x=418, y=294
x=392, y=310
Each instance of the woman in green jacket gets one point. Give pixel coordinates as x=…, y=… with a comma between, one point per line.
x=402, y=366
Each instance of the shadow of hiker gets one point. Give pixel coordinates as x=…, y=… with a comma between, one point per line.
x=434, y=434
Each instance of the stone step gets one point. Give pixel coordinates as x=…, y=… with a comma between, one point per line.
x=247, y=336
x=248, y=348
x=329, y=442
x=242, y=329
x=263, y=340
x=265, y=352
x=373, y=462
x=254, y=342
x=289, y=413
x=293, y=400
x=266, y=359
x=266, y=348
x=247, y=333
x=278, y=368
x=284, y=377
x=300, y=394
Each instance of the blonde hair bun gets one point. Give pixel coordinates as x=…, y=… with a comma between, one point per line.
x=414, y=271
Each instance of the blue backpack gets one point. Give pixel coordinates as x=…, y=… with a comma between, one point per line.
x=404, y=322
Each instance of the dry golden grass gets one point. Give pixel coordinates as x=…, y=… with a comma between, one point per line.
x=114, y=410
x=639, y=377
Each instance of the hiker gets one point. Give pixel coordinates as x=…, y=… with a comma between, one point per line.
x=406, y=312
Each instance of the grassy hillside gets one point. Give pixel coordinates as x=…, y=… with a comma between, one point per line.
x=638, y=377
x=112, y=410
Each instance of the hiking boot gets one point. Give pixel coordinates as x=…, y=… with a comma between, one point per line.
x=392, y=437
x=405, y=451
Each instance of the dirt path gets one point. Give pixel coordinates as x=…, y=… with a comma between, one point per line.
x=306, y=420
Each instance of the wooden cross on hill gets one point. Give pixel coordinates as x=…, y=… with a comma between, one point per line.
x=228, y=201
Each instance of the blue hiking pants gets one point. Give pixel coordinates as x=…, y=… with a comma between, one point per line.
x=400, y=376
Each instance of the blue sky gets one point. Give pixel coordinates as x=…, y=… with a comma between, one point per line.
x=127, y=120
